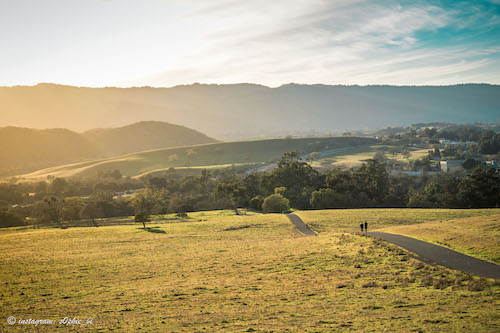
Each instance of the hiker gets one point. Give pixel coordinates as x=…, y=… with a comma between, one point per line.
x=361, y=225
x=366, y=227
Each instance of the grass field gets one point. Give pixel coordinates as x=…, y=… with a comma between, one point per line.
x=215, y=155
x=358, y=155
x=219, y=272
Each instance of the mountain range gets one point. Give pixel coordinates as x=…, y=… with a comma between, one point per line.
x=244, y=111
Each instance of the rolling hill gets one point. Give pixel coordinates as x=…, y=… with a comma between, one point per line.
x=144, y=135
x=244, y=111
x=211, y=155
x=26, y=149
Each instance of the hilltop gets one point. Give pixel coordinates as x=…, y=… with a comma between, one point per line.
x=144, y=135
x=27, y=149
x=245, y=111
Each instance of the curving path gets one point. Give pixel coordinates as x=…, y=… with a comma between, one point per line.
x=442, y=255
x=303, y=228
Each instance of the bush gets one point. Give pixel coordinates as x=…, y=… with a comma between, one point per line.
x=475, y=285
x=276, y=203
x=323, y=198
x=440, y=283
x=256, y=202
x=427, y=281
x=8, y=219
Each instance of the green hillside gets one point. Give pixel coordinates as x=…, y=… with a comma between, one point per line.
x=207, y=155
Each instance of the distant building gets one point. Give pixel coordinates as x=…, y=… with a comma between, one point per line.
x=451, y=165
x=396, y=173
x=491, y=164
x=444, y=142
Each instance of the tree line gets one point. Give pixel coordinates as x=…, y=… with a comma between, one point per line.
x=292, y=183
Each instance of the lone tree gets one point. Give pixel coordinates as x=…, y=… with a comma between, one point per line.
x=142, y=217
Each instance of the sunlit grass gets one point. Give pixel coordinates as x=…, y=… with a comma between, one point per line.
x=216, y=271
x=348, y=220
x=357, y=156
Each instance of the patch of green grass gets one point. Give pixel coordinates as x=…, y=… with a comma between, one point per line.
x=209, y=273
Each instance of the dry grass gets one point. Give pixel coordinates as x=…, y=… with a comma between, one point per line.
x=208, y=273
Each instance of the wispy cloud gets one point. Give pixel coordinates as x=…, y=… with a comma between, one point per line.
x=334, y=42
x=164, y=43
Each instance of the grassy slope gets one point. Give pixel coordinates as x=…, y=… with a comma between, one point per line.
x=202, y=155
x=475, y=236
x=355, y=157
x=221, y=272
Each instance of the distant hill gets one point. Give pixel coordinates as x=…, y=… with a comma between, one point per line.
x=243, y=111
x=26, y=149
x=210, y=156
x=144, y=135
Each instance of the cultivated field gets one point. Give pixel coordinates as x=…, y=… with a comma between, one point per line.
x=219, y=272
x=216, y=155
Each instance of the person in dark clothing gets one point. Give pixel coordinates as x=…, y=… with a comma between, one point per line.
x=366, y=226
x=361, y=226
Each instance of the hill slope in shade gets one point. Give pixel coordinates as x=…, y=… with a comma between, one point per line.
x=25, y=149
x=144, y=135
x=248, y=110
x=207, y=155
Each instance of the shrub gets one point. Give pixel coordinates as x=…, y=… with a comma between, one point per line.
x=323, y=198
x=475, y=285
x=8, y=219
x=256, y=202
x=427, y=281
x=440, y=283
x=276, y=203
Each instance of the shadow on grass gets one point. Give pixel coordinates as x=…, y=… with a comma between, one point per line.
x=155, y=230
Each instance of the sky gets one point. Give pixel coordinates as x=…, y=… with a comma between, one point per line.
x=164, y=43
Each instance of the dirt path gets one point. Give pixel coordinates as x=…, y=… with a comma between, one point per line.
x=303, y=228
x=442, y=256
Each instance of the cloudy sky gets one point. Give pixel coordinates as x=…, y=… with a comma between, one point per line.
x=170, y=42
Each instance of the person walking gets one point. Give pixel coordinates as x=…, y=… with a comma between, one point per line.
x=361, y=226
x=366, y=227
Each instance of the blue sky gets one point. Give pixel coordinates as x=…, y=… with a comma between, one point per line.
x=171, y=42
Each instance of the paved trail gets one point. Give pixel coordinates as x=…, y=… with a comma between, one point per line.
x=429, y=253
x=442, y=256
x=303, y=228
